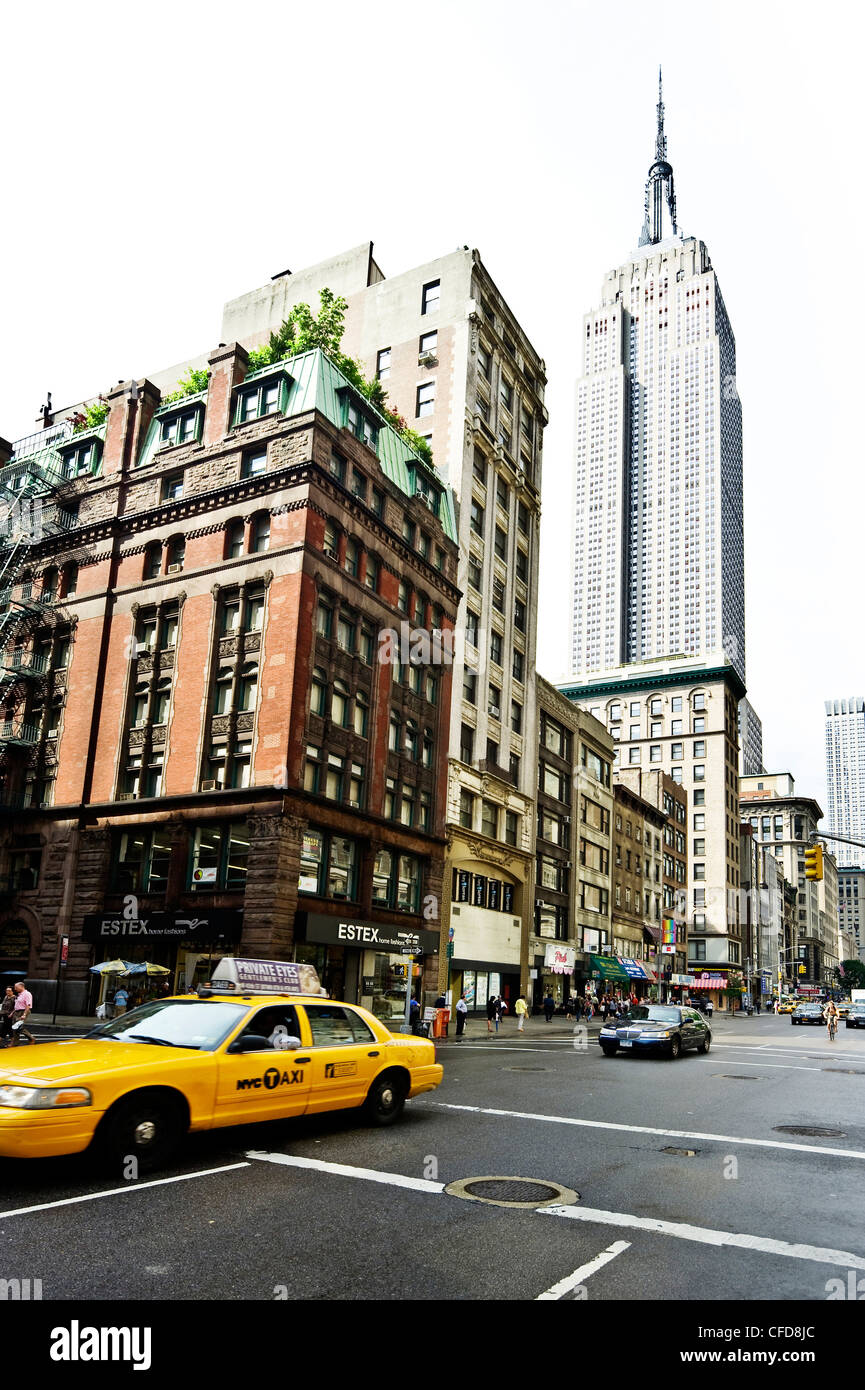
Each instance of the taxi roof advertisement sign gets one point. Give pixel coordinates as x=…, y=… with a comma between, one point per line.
x=265, y=976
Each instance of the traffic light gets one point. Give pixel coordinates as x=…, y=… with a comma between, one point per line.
x=814, y=861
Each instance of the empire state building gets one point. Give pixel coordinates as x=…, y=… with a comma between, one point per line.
x=658, y=564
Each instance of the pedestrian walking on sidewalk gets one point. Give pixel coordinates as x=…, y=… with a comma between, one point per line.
x=549, y=1007
x=20, y=1014
x=462, y=1010
x=492, y=1014
x=521, y=1009
x=6, y=1008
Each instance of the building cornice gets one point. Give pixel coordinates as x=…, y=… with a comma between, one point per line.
x=655, y=680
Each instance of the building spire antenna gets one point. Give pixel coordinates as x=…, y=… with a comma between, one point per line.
x=659, y=184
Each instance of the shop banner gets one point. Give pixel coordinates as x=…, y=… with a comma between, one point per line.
x=371, y=936
x=213, y=925
x=560, y=959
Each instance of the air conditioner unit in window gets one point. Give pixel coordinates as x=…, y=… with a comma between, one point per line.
x=140, y=724
x=209, y=785
x=175, y=569
x=43, y=805
x=494, y=711
x=126, y=796
x=427, y=359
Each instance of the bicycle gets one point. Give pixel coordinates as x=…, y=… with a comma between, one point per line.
x=832, y=1024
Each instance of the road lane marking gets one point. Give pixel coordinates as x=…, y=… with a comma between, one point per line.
x=704, y=1236
x=770, y=1066
x=585, y=1271
x=681, y=1230
x=345, y=1170
x=645, y=1129
x=118, y=1191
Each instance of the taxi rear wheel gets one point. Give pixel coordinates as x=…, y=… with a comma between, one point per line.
x=386, y=1099
x=145, y=1127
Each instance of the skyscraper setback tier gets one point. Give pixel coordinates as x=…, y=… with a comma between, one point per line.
x=658, y=551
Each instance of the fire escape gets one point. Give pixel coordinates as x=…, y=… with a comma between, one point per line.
x=37, y=523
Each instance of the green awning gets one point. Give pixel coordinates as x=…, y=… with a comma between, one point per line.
x=608, y=968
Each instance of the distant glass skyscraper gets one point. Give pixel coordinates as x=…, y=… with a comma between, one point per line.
x=845, y=775
x=658, y=555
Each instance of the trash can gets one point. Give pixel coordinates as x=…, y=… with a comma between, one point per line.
x=440, y=1023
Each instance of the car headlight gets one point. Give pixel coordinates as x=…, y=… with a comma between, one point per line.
x=44, y=1098
x=608, y=1032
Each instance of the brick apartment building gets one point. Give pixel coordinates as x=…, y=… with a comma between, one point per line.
x=201, y=749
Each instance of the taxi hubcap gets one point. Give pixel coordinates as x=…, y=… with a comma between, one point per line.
x=145, y=1132
x=387, y=1098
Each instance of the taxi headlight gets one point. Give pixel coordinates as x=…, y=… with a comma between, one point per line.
x=44, y=1098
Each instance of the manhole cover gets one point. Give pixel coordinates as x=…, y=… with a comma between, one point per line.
x=528, y=1193
x=684, y=1153
x=525, y=1068
x=811, y=1131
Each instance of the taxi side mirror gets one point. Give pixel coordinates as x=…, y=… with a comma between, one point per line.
x=251, y=1042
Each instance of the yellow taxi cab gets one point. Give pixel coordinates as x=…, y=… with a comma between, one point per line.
x=844, y=1007
x=787, y=1006
x=261, y=1042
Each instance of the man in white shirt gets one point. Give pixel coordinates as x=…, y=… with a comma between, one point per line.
x=20, y=1014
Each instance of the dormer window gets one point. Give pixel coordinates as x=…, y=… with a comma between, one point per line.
x=360, y=424
x=181, y=427
x=82, y=460
x=427, y=491
x=259, y=399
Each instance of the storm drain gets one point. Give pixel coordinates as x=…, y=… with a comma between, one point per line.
x=811, y=1131
x=528, y=1193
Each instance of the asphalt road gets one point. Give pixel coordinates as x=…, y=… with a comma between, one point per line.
x=687, y=1188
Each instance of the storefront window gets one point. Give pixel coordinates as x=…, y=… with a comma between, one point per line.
x=219, y=856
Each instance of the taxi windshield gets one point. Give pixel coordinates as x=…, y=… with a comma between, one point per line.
x=194, y=1023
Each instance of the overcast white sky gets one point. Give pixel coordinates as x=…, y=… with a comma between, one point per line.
x=161, y=159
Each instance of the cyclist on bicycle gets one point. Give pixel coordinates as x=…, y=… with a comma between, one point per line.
x=831, y=1015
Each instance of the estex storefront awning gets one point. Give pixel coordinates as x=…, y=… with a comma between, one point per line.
x=608, y=967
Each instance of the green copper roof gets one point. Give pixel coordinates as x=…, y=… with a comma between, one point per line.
x=315, y=383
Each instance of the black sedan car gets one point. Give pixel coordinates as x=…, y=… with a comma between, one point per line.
x=855, y=1016
x=664, y=1028
x=808, y=1013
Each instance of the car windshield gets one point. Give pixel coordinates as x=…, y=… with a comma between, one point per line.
x=655, y=1013
x=194, y=1023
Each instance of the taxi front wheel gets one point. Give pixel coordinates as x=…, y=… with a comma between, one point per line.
x=386, y=1099
x=146, y=1127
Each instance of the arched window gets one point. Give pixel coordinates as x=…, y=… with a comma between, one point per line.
x=361, y=713
x=394, y=733
x=331, y=541
x=70, y=580
x=411, y=740
x=339, y=704
x=50, y=581
x=247, y=686
x=139, y=704
x=176, y=554
x=318, y=698
x=222, y=702
x=153, y=560
x=260, y=534
x=163, y=701
x=234, y=534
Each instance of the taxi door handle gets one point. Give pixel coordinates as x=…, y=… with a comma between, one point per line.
x=301, y=1059
x=373, y=1054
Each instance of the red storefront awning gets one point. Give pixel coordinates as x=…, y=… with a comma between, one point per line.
x=709, y=982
